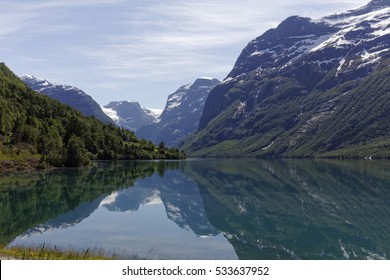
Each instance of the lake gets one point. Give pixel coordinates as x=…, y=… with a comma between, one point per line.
x=205, y=209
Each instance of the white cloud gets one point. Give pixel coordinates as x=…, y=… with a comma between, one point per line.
x=53, y=4
x=171, y=35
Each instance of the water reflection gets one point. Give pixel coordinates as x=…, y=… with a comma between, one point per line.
x=252, y=209
x=63, y=196
x=179, y=195
x=299, y=209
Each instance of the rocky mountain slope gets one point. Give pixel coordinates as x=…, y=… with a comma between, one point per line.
x=181, y=115
x=129, y=114
x=72, y=96
x=306, y=88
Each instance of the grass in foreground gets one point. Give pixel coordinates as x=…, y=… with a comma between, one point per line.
x=45, y=253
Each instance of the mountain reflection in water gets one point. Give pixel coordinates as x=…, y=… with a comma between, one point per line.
x=250, y=209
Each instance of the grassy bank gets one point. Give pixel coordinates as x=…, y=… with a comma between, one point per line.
x=45, y=253
x=20, y=157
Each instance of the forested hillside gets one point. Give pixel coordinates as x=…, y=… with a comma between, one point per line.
x=33, y=126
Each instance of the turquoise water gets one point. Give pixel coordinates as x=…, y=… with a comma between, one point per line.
x=205, y=209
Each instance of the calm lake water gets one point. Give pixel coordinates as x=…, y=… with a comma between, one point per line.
x=205, y=209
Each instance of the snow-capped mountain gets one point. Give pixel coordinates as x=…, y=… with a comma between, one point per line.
x=69, y=95
x=130, y=114
x=351, y=40
x=181, y=114
x=295, y=90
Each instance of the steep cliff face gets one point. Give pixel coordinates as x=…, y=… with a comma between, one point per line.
x=181, y=115
x=306, y=88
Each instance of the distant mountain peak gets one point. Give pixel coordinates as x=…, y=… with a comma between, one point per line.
x=129, y=114
x=186, y=93
x=66, y=94
x=122, y=103
x=181, y=114
x=29, y=76
x=205, y=82
x=207, y=78
x=43, y=85
x=33, y=79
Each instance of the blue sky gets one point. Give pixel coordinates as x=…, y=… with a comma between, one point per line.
x=139, y=50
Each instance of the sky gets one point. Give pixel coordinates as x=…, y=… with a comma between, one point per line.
x=139, y=50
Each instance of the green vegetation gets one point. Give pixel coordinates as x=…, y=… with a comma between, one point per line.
x=33, y=125
x=44, y=253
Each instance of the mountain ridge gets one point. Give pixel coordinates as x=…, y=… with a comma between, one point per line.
x=69, y=95
x=294, y=77
x=181, y=114
x=129, y=114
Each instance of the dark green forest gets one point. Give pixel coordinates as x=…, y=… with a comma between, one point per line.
x=35, y=127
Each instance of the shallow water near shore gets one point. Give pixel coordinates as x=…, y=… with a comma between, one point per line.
x=205, y=209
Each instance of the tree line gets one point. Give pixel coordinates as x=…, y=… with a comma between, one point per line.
x=61, y=135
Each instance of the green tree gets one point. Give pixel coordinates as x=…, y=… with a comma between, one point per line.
x=76, y=153
x=161, y=148
x=51, y=147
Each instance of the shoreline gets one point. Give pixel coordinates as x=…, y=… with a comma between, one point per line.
x=48, y=253
x=16, y=165
x=6, y=258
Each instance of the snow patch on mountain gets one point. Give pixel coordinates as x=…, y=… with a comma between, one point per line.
x=175, y=100
x=377, y=22
x=111, y=113
x=130, y=114
x=155, y=112
x=327, y=41
x=110, y=199
x=42, y=85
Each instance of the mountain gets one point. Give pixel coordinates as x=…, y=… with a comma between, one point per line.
x=34, y=126
x=129, y=114
x=306, y=88
x=181, y=115
x=72, y=96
